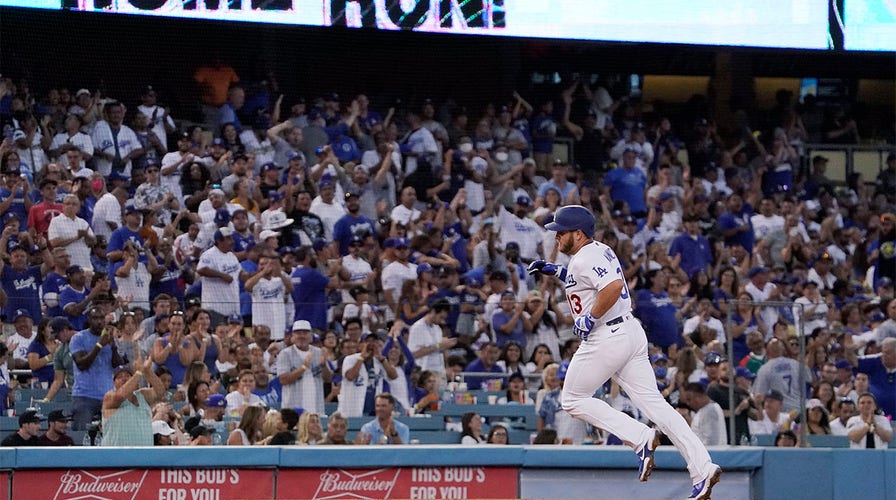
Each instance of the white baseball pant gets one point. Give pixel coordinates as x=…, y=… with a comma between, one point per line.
x=622, y=355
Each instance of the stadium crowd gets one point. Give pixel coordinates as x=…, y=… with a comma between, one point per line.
x=170, y=274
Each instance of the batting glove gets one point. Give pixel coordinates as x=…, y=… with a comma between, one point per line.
x=583, y=325
x=545, y=267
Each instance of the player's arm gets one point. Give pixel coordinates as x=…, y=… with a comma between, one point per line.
x=606, y=297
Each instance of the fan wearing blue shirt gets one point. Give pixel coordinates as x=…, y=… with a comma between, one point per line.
x=657, y=312
x=693, y=248
x=627, y=183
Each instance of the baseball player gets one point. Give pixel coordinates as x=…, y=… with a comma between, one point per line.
x=614, y=345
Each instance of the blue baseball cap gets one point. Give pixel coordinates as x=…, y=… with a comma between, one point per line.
x=130, y=207
x=222, y=217
x=293, y=155
x=562, y=369
x=216, y=401
x=20, y=313
x=740, y=371
x=572, y=218
x=658, y=357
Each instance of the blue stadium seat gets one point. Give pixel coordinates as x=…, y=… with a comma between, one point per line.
x=827, y=441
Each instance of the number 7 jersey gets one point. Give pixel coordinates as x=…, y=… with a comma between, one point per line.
x=591, y=269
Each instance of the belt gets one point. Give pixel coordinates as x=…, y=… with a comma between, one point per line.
x=619, y=319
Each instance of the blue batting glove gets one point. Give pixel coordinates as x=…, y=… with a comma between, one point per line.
x=549, y=268
x=537, y=266
x=583, y=325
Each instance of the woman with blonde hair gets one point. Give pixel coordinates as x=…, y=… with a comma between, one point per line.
x=309, y=429
x=250, y=429
x=549, y=382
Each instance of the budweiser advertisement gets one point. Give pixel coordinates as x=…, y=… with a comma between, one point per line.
x=410, y=482
x=133, y=484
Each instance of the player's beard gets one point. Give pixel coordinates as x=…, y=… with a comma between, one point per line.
x=565, y=244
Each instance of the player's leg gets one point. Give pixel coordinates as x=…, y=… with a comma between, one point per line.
x=637, y=379
x=590, y=368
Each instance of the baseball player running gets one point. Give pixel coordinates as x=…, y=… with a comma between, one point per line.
x=614, y=345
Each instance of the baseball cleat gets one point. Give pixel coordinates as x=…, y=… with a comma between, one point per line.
x=703, y=489
x=646, y=456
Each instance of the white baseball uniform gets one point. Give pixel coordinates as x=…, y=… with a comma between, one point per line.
x=617, y=348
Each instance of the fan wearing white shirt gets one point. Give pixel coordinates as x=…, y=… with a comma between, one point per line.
x=160, y=122
x=327, y=208
x=221, y=272
x=72, y=138
x=269, y=288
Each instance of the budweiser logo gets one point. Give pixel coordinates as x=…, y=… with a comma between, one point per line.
x=82, y=484
x=368, y=485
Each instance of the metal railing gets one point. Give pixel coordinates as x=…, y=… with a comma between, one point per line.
x=729, y=347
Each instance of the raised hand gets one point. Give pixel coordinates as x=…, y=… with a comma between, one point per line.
x=549, y=268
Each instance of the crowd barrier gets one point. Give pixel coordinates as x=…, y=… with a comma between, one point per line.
x=375, y=472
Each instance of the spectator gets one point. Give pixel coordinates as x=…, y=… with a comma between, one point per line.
x=77, y=297
x=133, y=275
x=249, y=431
x=41, y=214
x=396, y=273
x=497, y=434
x=156, y=197
x=96, y=356
x=201, y=435
x=708, y=420
x=869, y=429
x=20, y=282
x=127, y=420
x=302, y=370
x=703, y=317
x=399, y=356
x=627, y=183
x=817, y=417
x=384, y=429
x=241, y=398
x=29, y=428
x=656, y=312
x=309, y=287
x=337, y=428
x=786, y=439
x=426, y=393
x=879, y=369
x=693, y=248
x=220, y=274
x=41, y=351
x=286, y=433
x=471, y=425
x=427, y=341
x=745, y=409
x=174, y=350
x=782, y=374
x=57, y=430
x=518, y=228
x=115, y=143
x=63, y=365
x=846, y=410
x=550, y=412
x=546, y=436
x=772, y=418
x=310, y=431
x=487, y=362
x=363, y=375
x=269, y=288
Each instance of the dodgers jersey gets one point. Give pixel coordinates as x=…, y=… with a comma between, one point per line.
x=594, y=267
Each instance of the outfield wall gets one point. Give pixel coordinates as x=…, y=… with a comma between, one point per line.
x=372, y=472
